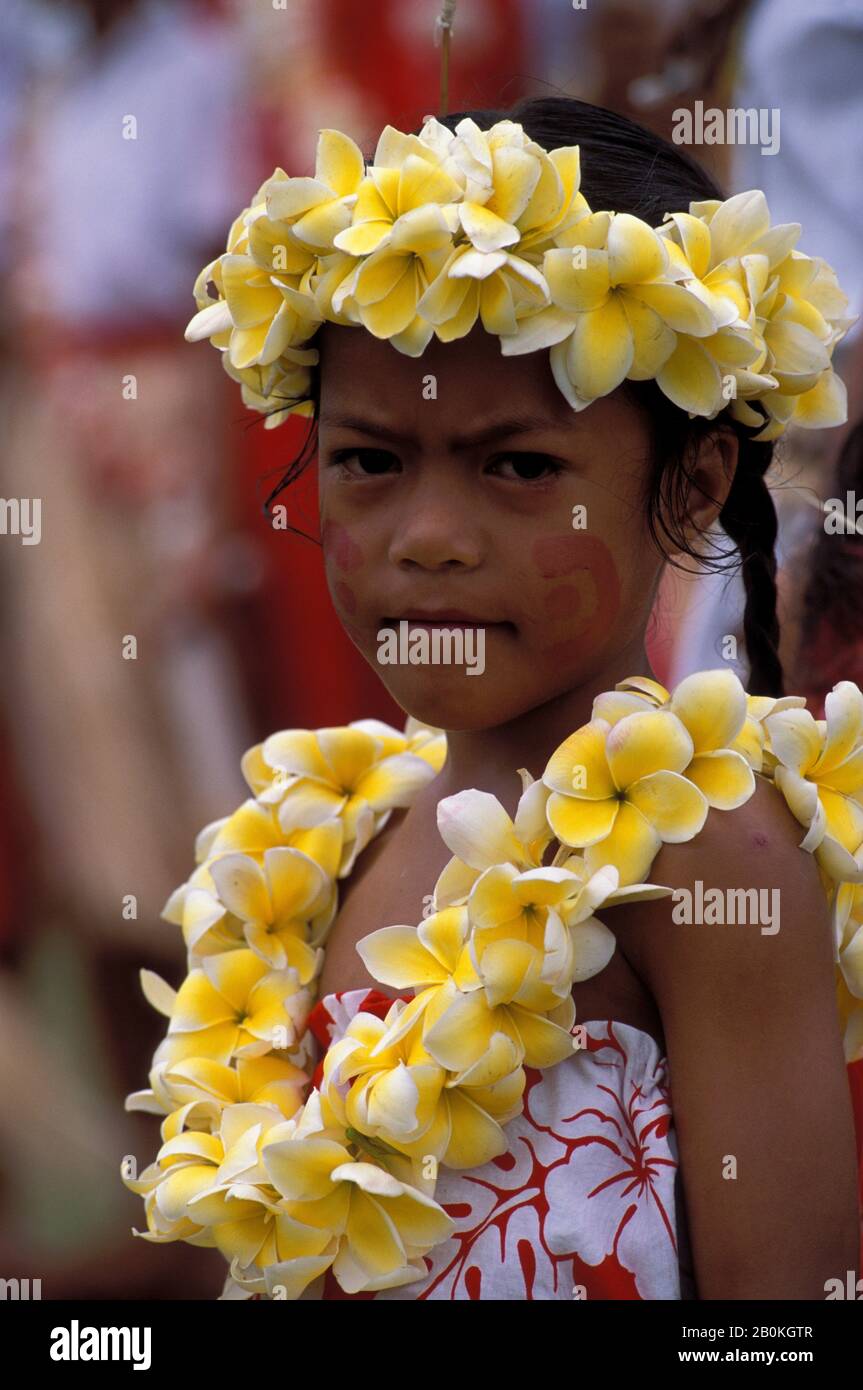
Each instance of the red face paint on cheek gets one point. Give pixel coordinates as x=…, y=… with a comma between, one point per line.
x=340, y=544
x=583, y=610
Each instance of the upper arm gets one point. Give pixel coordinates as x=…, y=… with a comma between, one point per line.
x=756, y=1066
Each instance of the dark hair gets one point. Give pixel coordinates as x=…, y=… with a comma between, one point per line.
x=627, y=168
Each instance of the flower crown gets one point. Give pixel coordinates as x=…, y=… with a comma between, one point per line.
x=445, y=228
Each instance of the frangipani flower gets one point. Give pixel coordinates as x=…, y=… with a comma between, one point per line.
x=792, y=304
x=618, y=792
x=192, y=1093
x=276, y=904
x=254, y=828
x=317, y=209
x=313, y=776
x=402, y=229
x=282, y=388
x=262, y=313
x=514, y=192
x=819, y=770
x=494, y=286
x=460, y=1029
x=399, y=1094
x=406, y=177
x=357, y=1217
x=520, y=951
x=235, y=1005
x=427, y=958
x=198, y=1187
x=477, y=829
x=712, y=707
x=616, y=308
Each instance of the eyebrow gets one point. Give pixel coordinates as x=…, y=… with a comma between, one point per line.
x=499, y=429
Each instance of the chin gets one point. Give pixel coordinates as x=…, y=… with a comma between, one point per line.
x=455, y=707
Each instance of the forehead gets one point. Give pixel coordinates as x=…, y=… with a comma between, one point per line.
x=457, y=380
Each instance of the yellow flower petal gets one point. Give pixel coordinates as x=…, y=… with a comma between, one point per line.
x=396, y=957
x=578, y=822
x=677, y=307
x=690, y=378
x=794, y=739
x=301, y=1169
x=843, y=709
x=725, y=778
x=462, y=1033
x=635, y=252
x=643, y=743
x=573, y=287
x=545, y=1042
x=674, y=807
x=630, y=848
x=338, y=162
x=712, y=706
x=600, y=351
x=475, y=1137
x=580, y=764
x=476, y=828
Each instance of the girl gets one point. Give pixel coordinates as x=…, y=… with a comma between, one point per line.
x=680, y=1150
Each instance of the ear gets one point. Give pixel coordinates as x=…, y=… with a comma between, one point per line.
x=712, y=477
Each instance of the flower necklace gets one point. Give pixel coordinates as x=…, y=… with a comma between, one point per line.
x=290, y=1179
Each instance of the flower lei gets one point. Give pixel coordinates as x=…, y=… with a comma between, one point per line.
x=289, y=1180
x=447, y=228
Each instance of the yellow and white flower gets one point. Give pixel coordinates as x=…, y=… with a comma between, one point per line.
x=449, y=227
x=712, y=707
x=337, y=772
x=366, y=1220
x=819, y=770
x=477, y=829
x=396, y=1092
x=234, y=1005
x=618, y=791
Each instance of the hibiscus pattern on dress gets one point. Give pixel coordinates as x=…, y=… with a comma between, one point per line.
x=585, y=1203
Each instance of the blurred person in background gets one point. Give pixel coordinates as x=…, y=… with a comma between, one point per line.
x=119, y=678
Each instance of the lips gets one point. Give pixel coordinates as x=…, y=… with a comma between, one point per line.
x=452, y=617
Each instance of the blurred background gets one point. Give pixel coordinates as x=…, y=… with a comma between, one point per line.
x=151, y=477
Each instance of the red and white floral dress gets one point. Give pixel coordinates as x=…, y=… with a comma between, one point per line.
x=586, y=1203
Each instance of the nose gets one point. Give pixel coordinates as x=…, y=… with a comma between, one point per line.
x=436, y=530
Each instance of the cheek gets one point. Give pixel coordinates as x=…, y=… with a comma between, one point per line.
x=582, y=591
x=346, y=555
x=346, y=596
x=339, y=544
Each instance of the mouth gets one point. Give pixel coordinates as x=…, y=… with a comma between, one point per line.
x=451, y=617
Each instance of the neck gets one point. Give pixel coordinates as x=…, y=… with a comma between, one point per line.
x=489, y=759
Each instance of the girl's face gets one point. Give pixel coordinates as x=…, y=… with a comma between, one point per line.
x=461, y=485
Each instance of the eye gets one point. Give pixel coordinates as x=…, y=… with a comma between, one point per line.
x=526, y=468
x=363, y=463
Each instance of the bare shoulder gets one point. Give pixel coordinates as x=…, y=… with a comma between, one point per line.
x=748, y=903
